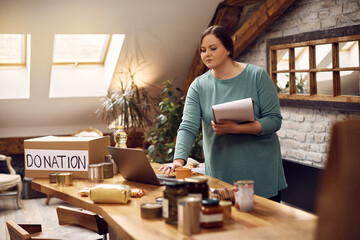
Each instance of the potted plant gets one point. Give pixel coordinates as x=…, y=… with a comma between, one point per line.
x=162, y=137
x=128, y=105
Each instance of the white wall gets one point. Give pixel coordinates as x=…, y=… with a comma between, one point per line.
x=164, y=33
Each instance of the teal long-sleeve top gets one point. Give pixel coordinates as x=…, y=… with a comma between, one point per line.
x=235, y=157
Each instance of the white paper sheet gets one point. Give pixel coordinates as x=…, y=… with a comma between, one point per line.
x=239, y=110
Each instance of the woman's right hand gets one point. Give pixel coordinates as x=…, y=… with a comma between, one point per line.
x=167, y=169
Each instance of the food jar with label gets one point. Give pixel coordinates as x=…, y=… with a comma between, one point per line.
x=172, y=192
x=197, y=186
x=211, y=213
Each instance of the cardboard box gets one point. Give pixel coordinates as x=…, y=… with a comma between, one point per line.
x=52, y=154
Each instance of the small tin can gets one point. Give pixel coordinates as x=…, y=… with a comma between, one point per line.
x=64, y=179
x=159, y=200
x=108, y=169
x=226, y=206
x=189, y=215
x=96, y=173
x=244, y=195
x=151, y=210
x=108, y=158
x=52, y=177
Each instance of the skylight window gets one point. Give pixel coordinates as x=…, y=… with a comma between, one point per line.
x=80, y=48
x=12, y=49
x=83, y=64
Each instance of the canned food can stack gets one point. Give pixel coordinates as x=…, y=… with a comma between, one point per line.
x=244, y=195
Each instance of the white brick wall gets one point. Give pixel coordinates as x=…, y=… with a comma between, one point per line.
x=305, y=133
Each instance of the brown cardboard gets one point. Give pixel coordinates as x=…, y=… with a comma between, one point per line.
x=95, y=148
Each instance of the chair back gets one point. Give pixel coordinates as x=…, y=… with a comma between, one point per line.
x=16, y=232
x=83, y=218
x=338, y=199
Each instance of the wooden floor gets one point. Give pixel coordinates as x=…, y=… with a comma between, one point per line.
x=32, y=211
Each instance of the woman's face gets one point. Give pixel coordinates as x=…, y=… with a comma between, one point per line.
x=213, y=53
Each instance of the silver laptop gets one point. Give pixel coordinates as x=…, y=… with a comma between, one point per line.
x=135, y=166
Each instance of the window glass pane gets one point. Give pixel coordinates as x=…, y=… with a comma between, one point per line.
x=324, y=83
x=283, y=82
x=80, y=48
x=349, y=54
x=323, y=56
x=302, y=58
x=302, y=82
x=12, y=49
x=349, y=81
x=282, y=59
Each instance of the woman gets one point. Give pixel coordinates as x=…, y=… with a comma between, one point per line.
x=232, y=151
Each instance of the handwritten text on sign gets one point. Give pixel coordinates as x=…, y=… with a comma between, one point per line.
x=67, y=160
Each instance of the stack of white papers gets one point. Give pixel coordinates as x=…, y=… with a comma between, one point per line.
x=239, y=110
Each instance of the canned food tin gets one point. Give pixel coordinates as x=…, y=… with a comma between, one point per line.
x=64, y=179
x=244, y=195
x=108, y=169
x=52, y=177
x=96, y=173
x=189, y=215
x=151, y=210
x=108, y=158
x=226, y=206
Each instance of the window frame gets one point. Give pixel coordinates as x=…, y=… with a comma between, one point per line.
x=311, y=39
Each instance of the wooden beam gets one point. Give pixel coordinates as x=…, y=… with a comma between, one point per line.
x=258, y=22
x=240, y=3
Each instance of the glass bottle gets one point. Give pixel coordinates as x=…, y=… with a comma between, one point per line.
x=120, y=137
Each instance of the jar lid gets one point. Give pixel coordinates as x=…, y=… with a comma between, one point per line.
x=196, y=179
x=210, y=201
x=244, y=182
x=175, y=184
x=225, y=203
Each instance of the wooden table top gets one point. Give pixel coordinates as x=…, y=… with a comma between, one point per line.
x=126, y=220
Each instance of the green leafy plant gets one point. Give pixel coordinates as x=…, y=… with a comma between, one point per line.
x=162, y=138
x=128, y=105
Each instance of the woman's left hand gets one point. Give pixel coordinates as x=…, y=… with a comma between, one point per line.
x=223, y=127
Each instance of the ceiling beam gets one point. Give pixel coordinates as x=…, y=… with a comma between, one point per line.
x=228, y=15
x=258, y=22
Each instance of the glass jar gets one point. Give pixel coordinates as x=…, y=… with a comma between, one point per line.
x=211, y=213
x=120, y=137
x=197, y=186
x=172, y=192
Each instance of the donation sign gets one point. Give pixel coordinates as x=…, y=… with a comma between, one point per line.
x=63, y=160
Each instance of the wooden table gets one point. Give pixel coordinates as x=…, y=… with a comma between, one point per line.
x=268, y=220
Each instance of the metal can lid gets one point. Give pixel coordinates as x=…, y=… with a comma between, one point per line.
x=196, y=179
